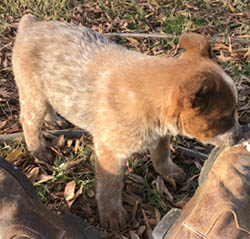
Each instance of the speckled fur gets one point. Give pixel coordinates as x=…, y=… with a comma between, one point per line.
x=128, y=101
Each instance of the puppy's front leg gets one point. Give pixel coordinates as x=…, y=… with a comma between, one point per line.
x=109, y=168
x=160, y=155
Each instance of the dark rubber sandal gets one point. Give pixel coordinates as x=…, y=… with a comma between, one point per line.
x=20, y=177
x=80, y=229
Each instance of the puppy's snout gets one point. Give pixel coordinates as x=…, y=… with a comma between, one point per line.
x=238, y=135
x=229, y=138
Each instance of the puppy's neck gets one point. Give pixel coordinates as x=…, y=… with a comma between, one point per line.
x=146, y=93
x=141, y=88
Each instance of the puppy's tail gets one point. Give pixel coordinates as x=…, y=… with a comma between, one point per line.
x=27, y=21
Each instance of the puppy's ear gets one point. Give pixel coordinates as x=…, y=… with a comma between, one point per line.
x=196, y=44
x=198, y=95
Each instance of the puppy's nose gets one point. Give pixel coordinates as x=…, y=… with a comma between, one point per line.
x=238, y=135
x=245, y=128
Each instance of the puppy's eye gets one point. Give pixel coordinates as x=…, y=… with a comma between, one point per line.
x=231, y=116
x=228, y=121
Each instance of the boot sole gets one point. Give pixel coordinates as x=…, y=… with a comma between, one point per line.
x=167, y=224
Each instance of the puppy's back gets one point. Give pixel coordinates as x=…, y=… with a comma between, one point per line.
x=56, y=49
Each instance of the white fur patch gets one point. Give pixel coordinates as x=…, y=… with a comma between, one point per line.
x=247, y=146
x=105, y=74
x=172, y=129
x=131, y=95
x=28, y=122
x=98, y=151
x=101, y=111
x=66, y=100
x=33, y=115
x=104, y=138
x=120, y=156
x=106, y=144
x=230, y=82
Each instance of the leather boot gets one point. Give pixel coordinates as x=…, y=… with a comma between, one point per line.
x=22, y=216
x=220, y=207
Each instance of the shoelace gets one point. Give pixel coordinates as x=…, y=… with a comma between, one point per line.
x=62, y=235
x=193, y=230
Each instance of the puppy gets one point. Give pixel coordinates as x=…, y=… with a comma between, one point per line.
x=128, y=101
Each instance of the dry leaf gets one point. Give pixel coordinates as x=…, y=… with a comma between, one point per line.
x=148, y=228
x=69, y=192
x=133, y=235
x=182, y=202
x=133, y=41
x=135, y=208
x=225, y=58
x=69, y=142
x=90, y=193
x=14, y=155
x=77, y=146
x=61, y=141
x=33, y=174
x=162, y=189
x=136, y=178
x=3, y=124
x=157, y=215
x=73, y=163
x=78, y=193
x=43, y=178
x=141, y=230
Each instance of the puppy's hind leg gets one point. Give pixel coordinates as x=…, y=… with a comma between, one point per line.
x=33, y=111
x=109, y=168
x=160, y=155
x=54, y=120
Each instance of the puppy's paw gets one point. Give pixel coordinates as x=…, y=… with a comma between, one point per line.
x=114, y=218
x=44, y=155
x=56, y=122
x=177, y=173
x=172, y=173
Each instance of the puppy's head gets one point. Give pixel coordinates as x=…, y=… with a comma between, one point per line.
x=208, y=96
x=209, y=109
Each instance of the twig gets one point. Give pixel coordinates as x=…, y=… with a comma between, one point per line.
x=155, y=35
x=71, y=134
x=139, y=35
x=74, y=134
x=164, y=35
x=4, y=138
x=191, y=153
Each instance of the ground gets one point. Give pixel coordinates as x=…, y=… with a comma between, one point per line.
x=69, y=183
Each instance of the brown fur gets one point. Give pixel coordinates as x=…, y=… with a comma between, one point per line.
x=128, y=101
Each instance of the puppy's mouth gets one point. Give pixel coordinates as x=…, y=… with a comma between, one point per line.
x=229, y=138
